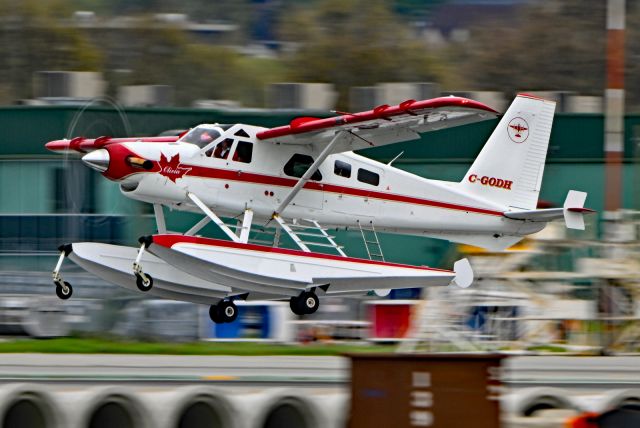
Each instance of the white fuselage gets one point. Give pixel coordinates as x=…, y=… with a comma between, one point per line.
x=401, y=202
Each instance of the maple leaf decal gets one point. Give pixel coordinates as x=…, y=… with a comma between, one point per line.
x=171, y=168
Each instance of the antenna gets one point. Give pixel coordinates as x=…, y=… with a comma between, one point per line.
x=394, y=159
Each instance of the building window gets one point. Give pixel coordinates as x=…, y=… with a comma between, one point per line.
x=298, y=165
x=342, y=169
x=368, y=177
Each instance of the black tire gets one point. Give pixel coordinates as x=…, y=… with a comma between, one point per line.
x=141, y=284
x=60, y=291
x=308, y=302
x=228, y=311
x=294, y=304
x=214, y=314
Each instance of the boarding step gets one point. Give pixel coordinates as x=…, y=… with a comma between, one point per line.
x=320, y=244
x=371, y=241
x=298, y=228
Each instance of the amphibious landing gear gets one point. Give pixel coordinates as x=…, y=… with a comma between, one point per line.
x=64, y=291
x=224, y=312
x=63, y=288
x=304, y=304
x=143, y=281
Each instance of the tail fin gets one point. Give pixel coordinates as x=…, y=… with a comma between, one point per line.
x=509, y=168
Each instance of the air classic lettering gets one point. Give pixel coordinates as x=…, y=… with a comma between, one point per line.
x=491, y=181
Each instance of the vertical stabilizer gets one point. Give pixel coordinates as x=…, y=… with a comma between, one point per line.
x=509, y=168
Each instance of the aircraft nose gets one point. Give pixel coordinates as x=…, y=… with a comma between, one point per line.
x=97, y=159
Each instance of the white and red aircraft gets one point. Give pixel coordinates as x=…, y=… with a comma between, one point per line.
x=303, y=178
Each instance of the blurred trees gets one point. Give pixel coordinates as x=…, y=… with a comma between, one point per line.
x=356, y=43
x=31, y=39
x=550, y=45
x=198, y=71
x=553, y=45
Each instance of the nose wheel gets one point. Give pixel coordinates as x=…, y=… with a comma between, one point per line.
x=64, y=291
x=63, y=288
x=224, y=312
x=305, y=304
x=144, y=282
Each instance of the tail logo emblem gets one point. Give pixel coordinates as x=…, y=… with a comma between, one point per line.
x=518, y=130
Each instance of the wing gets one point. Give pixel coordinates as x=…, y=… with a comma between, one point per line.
x=382, y=125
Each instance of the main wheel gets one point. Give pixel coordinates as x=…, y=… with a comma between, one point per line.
x=214, y=314
x=309, y=302
x=295, y=305
x=60, y=291
x=228, y=311
x=142, y=284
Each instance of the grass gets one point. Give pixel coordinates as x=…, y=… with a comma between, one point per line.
x=108, y=346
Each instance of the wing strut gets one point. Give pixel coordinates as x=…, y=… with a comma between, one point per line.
x=160, y=222
x=246, y=226
x=341, y=136
x=198, y=226
x=291, y=233
x=213, y=217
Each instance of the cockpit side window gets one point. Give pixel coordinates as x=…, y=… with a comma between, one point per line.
x=244, y=151
x=298, y=165
x=369, y=177
x=200, y=136
x=221, y=150
x=342, y=169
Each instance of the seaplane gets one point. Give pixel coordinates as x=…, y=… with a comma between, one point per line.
x=301, y=181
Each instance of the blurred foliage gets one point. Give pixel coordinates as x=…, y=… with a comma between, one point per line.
x=356, y=43
x=549, y=45
x=32, y=39
x=199, y=71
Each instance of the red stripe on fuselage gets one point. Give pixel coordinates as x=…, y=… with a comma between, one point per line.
x=170, y=240
x=225, y=174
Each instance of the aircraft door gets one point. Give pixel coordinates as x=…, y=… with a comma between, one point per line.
x=312, y=196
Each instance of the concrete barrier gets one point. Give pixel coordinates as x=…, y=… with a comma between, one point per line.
x=29, y=406
x=166, y=406
x=283, y=407
x=528, y=401
x=612, y=399
x=191, y=406
x=103, y=406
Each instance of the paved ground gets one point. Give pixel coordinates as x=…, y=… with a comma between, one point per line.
x=521, y=371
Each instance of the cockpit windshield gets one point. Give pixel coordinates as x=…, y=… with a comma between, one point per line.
x=201, y=135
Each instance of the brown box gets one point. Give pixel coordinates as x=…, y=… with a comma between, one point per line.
x=425, y=390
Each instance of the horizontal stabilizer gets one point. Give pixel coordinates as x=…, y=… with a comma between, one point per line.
x=572, y=212
x=574, y=209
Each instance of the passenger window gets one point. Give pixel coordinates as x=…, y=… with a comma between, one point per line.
x=298, y=165
x=221, y=151
x=342, y=169
x=244, y=151
x=368, y=177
